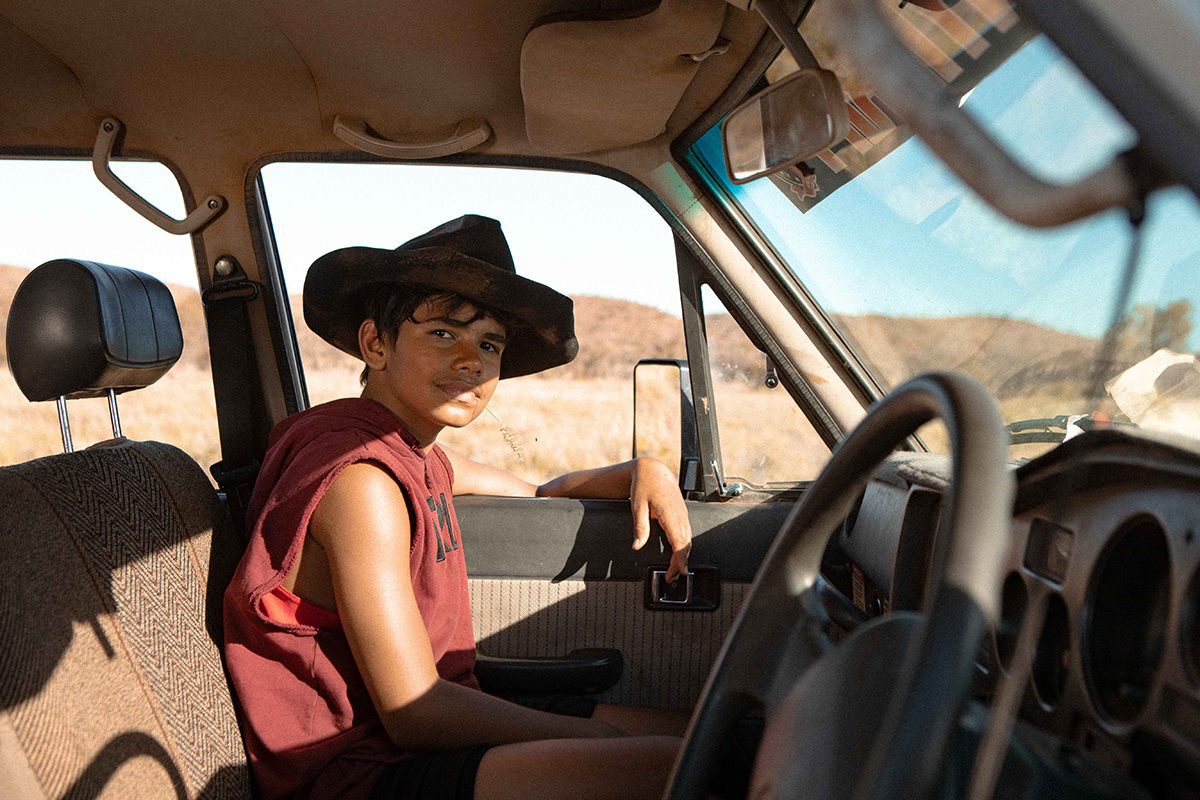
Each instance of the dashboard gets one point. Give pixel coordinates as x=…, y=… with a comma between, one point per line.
x=1100, y=609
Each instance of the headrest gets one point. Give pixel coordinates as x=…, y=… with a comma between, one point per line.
x=79, y=329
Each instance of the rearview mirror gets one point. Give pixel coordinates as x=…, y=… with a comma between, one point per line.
x=783, y=124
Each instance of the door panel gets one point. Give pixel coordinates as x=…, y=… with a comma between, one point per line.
x=667, y=654
x=551, y=575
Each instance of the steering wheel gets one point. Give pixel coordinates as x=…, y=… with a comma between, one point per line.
x=872, y=717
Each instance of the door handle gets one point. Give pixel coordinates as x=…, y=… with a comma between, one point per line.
x=698, y=590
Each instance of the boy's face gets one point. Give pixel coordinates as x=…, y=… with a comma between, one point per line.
x=441, y=371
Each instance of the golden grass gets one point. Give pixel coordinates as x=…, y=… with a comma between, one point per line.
x=580, y=415
x=559, y=425
x=573, y=423
x=179, y=409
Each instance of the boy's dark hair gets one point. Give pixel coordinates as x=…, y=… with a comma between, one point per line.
x=391, y=305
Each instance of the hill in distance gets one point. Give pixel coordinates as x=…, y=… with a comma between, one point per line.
x=614, y=334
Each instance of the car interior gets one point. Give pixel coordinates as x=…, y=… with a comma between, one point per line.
x=988, y=585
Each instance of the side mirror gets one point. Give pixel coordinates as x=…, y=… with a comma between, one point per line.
x=663, y=418
x=783, y=124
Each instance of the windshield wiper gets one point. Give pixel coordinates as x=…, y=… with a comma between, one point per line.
x=1052, y=430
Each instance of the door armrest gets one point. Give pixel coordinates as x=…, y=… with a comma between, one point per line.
x=584, y=671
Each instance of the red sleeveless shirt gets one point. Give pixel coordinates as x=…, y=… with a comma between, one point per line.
x=310, y=727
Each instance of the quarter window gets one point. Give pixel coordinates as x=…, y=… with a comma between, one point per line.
x=765, y=438
x=57, y=209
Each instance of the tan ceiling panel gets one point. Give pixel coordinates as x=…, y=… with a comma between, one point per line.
x=40, y=99
x=423, y=65
x=593, y=83
x=232, y=81
x=177, y=71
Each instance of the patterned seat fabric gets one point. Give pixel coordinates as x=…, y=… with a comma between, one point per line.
x=112, y=565
x=113, y=561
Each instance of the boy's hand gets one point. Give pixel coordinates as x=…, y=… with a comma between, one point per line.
x=654, y=495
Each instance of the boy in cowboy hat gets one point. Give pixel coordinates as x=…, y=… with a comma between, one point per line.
x=347, y=624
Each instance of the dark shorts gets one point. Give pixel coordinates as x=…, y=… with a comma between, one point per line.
x=434, y=776
x=450, y=775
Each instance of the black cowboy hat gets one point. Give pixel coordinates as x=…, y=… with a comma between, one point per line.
x=468, y=257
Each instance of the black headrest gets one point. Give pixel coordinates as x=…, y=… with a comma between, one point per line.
x=79, y=329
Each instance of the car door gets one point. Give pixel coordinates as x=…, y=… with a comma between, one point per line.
x=552, y=576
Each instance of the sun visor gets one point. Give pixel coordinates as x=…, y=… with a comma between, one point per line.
x=598, y=82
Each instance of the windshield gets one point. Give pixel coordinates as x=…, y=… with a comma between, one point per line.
x=919, y=274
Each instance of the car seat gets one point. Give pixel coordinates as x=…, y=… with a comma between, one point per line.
x=113, y=561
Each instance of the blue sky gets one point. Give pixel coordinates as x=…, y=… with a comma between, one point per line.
x=906, y=237
x=583, y=234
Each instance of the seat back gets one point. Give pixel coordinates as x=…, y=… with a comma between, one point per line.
x=113, y=561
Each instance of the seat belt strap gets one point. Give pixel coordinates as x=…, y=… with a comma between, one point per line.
x=241, y=413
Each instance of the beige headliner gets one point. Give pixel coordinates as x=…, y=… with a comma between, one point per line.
x=234, y=80
x=215, y=86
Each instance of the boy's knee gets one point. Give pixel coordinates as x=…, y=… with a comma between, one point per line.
x=670, y=744
x=658, y=753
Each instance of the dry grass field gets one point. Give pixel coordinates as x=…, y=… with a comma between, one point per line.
x=575, y=416
x=558, y=425
x=582, y=414
x=178, y=409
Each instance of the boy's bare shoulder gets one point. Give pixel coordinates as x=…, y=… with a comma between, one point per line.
x=364, y=502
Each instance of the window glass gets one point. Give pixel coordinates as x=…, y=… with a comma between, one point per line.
x=57, y=209
x=920, y=274
x=765, y=438
x=586, y=236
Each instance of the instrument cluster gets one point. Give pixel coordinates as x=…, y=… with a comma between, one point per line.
x=1100, y=601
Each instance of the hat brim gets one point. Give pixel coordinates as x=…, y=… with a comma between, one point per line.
x=339, y=285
